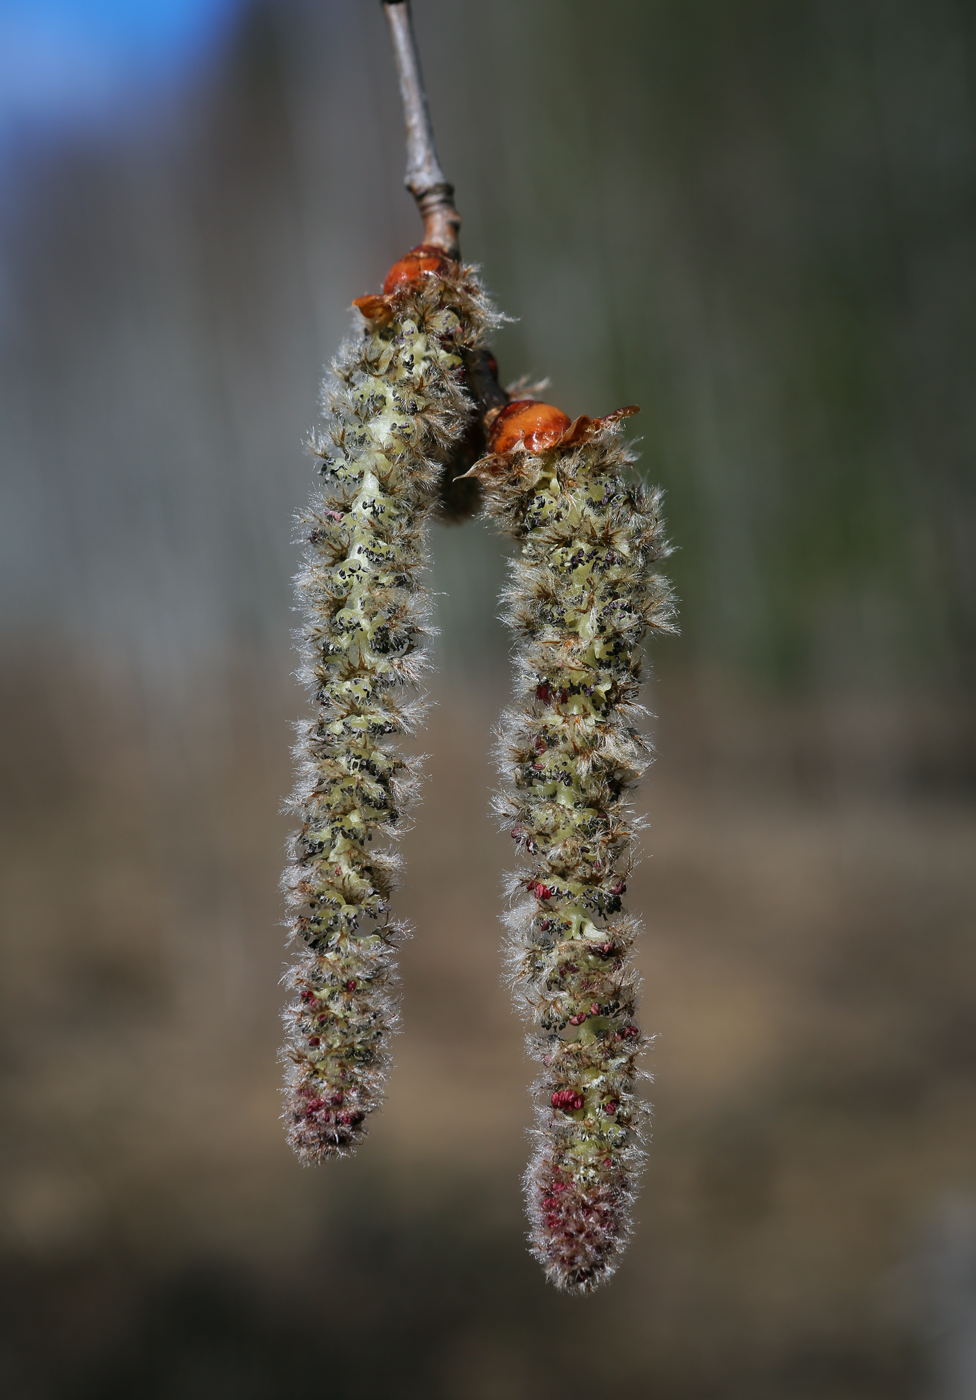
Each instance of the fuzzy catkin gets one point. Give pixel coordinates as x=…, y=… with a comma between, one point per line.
x=395, y=408
x=582, y=596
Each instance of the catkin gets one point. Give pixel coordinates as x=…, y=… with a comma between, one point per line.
x=582, y=595
x=396, y=407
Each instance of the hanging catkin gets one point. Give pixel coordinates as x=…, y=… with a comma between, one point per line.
x=396, y=409
x=582, y=595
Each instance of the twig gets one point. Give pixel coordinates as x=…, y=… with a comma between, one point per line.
x=424, y=178
x=459, y=498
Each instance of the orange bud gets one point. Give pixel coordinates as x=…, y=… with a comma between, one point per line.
x=374, y=308
x=412, y=266
x=538, y=425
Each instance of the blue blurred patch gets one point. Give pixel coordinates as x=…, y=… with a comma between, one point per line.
x=71, y=59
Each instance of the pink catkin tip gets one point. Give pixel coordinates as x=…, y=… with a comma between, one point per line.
x=579, y=1227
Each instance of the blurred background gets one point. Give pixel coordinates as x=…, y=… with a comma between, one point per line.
x=756, y=220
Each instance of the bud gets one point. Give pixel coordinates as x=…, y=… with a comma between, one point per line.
x=412, y=267
x=535, y=426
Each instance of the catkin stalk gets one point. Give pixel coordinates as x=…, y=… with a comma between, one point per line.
x=395, y=409
x=583, y=594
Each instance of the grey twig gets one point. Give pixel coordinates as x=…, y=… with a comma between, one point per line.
x=424, y=178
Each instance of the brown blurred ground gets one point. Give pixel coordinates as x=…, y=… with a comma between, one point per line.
x=809, y=964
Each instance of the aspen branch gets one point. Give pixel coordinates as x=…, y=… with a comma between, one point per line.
x=424, y=177
x=460, y=495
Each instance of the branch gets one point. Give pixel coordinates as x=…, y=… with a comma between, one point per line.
x=424, y=178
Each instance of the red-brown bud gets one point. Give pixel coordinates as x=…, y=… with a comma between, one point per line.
x=415, y=264
x=537, y=425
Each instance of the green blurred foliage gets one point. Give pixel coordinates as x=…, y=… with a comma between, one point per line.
x=756, y=220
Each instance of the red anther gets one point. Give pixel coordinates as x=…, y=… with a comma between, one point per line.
x=338, y=1099
x=518, y=833
x=413, y=266
x=595, y=1008
x=314, y=1040
x=351, y=985
x=619, y=888
x=608, y=1161
x=537, y=425
x=629, y=1032
x=569, y=1101
x=333, y=514
x=610, y=1108
x=543, y=693
x=307, y=996
x=578, y=1020
x=315, y=1106
x=540, y=890
x=606, y=949
x=540, y=743
x=350, y=1120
